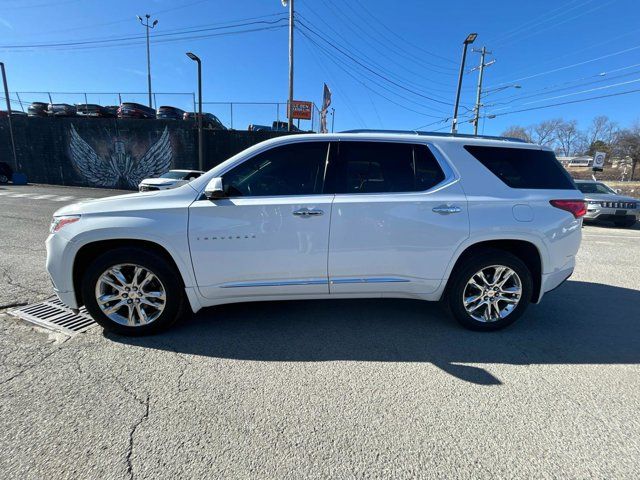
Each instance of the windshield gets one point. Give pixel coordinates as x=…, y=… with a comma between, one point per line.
x=595, y=188
x=173, y=175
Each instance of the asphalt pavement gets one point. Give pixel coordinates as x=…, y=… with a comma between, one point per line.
x=323, y=389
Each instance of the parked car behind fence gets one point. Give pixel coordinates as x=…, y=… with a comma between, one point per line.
x=38, y=109
x=135, y=110
x=209, y=120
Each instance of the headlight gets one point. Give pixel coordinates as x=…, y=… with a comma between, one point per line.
x=59, y=222
x=591, y=202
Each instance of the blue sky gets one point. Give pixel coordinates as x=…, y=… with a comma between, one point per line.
x=389, y=64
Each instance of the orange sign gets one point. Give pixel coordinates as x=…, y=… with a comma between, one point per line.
x=302, y=110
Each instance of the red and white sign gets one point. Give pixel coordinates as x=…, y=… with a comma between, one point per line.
x=302, y=110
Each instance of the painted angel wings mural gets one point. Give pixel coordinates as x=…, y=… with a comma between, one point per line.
x=120, y=168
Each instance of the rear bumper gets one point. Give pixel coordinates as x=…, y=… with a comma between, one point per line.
x=551, y=281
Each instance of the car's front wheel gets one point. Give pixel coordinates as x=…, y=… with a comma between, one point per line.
x=132, y=291
x=490, y=290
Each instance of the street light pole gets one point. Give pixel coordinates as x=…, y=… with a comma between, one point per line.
x=468, y=41
x=291, y=25
x=196, y=59
x=148, y=26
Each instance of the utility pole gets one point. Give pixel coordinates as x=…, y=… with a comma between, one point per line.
x=468, y=41
x=290, y=102
x=476, y=111
x=6, y=95
x=148, y=26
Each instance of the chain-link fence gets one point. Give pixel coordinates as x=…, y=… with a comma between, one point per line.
x=234, y=115
x=239, y=115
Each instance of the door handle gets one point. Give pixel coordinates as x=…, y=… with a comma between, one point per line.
x=447, y=209
x=305, y=212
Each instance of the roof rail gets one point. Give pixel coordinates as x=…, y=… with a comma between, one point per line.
x=436, y=134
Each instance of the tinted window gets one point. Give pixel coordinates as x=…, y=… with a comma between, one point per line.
x=378, y=167
x=523, y=167
x=295, y=169
x=594, y=188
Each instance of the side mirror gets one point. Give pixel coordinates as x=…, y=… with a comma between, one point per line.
x=617, y=190
x=214, y=189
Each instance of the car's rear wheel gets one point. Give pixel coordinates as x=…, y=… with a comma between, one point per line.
x=4, y=179
x=131, y=291
x=490, y=291
x=626, y=223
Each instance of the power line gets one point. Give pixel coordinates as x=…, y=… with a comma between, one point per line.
x=114, y=22
x=589, y=48
x=398, y=50
x=385, y=78
x=339, y=63
x=359, y=54
x=636, y=80
x=581, y=14
x=350, y=105
x=404, y=40
x=550, y=89
x=567, y=67
x=137, y=37
x=530, y=23
x=490, y=115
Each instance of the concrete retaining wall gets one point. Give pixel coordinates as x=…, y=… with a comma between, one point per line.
x=113, y=153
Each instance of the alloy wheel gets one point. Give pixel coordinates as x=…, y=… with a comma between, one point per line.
x=492, y=293
x=130, y=295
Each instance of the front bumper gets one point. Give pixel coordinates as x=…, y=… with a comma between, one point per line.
x=597, y=212
x=60, y=255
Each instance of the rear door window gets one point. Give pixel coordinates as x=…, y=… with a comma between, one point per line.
x=523, y=167
x=382, y=167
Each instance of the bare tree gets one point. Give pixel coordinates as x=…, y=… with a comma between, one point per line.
x=546, y=133
x=569, y=138
x=602, y=129
x=516, y=131
x=627, y=145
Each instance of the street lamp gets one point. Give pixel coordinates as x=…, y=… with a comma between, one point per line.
x=468, y=41
x=148, y=26
x=499, y=89
x=195, y=58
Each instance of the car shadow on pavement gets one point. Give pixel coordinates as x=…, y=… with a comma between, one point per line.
x=579, y=323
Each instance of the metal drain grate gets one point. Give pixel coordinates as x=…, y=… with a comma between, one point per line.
x=52, y=314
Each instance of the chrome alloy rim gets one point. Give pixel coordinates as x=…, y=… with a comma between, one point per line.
x=130, y=295
x=492, y=293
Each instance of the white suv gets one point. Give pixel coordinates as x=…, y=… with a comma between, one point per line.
x=487, y=224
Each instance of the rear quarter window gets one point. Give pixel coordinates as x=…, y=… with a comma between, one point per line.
x=523, y=167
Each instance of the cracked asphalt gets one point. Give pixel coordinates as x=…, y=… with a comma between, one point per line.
x=333, y=389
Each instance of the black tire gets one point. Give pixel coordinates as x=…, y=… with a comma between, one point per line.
x=4, y=179
x=159, y=266
x=626, y=223
x=469, y=267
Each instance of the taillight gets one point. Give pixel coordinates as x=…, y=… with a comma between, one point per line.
x=578, y=208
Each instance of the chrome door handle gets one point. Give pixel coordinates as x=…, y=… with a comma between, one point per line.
x=305, y=212
x=447, y=209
